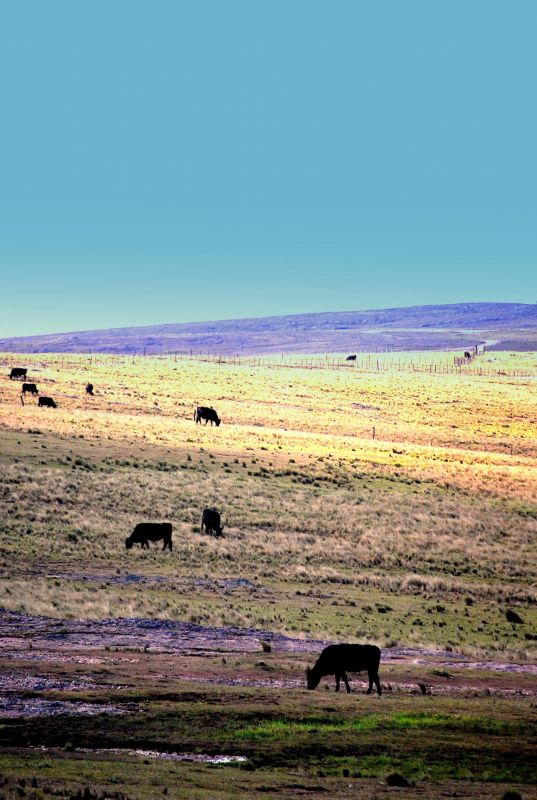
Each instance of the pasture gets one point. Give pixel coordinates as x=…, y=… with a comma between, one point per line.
x=388, y=507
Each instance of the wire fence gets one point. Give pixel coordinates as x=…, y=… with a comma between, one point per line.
x=445, y=363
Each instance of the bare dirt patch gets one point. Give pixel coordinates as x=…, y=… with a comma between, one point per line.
x=228, y=656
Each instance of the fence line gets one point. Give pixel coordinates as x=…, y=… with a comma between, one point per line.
x=372, y=362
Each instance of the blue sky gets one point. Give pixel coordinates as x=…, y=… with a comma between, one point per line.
x=174, y=161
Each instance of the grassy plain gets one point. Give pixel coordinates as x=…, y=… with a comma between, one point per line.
x=422, y=536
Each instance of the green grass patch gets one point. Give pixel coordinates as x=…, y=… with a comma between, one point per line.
x=285, y=728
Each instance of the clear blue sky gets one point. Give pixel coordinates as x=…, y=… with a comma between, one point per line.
x=174, y=161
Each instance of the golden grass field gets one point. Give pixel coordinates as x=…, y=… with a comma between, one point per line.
x=440, y=505
x=392, y=507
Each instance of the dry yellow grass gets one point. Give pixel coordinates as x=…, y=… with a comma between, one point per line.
x=441, y=505
x=475, y=432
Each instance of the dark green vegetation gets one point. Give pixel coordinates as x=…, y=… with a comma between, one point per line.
x=291, y=738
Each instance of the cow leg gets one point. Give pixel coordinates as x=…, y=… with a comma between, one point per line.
x=338, y=679
x=377, y=684
x=344, y=676
x=373, y=679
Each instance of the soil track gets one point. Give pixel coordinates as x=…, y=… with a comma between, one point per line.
x=197, y=653
x=33, y=636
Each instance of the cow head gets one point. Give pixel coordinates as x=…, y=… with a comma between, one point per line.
x=220, y=530
x=218, y=421
x=128, y=542
x=312, y=679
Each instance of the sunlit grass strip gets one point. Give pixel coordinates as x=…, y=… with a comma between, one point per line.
x=279, y=728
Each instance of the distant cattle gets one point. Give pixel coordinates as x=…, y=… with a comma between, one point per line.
x=46, y=402
x=351, y=358
x=89, y=389
x=18, y=373
x=338, y=659
x=208, y=414
x=210, y=520
x=146, y=532
x=467, y=354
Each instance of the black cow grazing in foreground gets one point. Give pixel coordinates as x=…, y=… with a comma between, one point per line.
x=208, y=414
x=89, y=389
x=146, y=532
x=467, y=354
x=46, y=402
x=210, y=520
x=338, y=659
x=18, y=373
x=351, y=358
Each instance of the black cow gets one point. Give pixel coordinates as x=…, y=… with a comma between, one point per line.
x=208, y=414
x=351, y=358
x=29, y=388
x=146, y=532
x=467, y=354
x=210, y=520
x=89, y=389
x=46, y=402
x=18, y=373
x=337, y=659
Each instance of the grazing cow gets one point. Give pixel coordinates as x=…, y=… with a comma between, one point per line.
x=210, y=520
x=146, y=532
x=467, y=354
x=337, y=659
x=46, y=402
x=29, y=388
x=89, y=389
x=351, y=358
x=208, y=414
x=18, y=373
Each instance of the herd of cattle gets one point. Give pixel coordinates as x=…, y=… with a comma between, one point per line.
x=20, y=373
x=334, y=660
x=202, y=413
x=145, y=532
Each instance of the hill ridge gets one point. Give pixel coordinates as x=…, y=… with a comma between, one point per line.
x=411, y=327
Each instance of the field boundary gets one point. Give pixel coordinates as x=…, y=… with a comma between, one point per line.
x=447, y=363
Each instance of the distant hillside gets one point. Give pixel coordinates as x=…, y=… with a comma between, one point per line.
x=416, y=327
